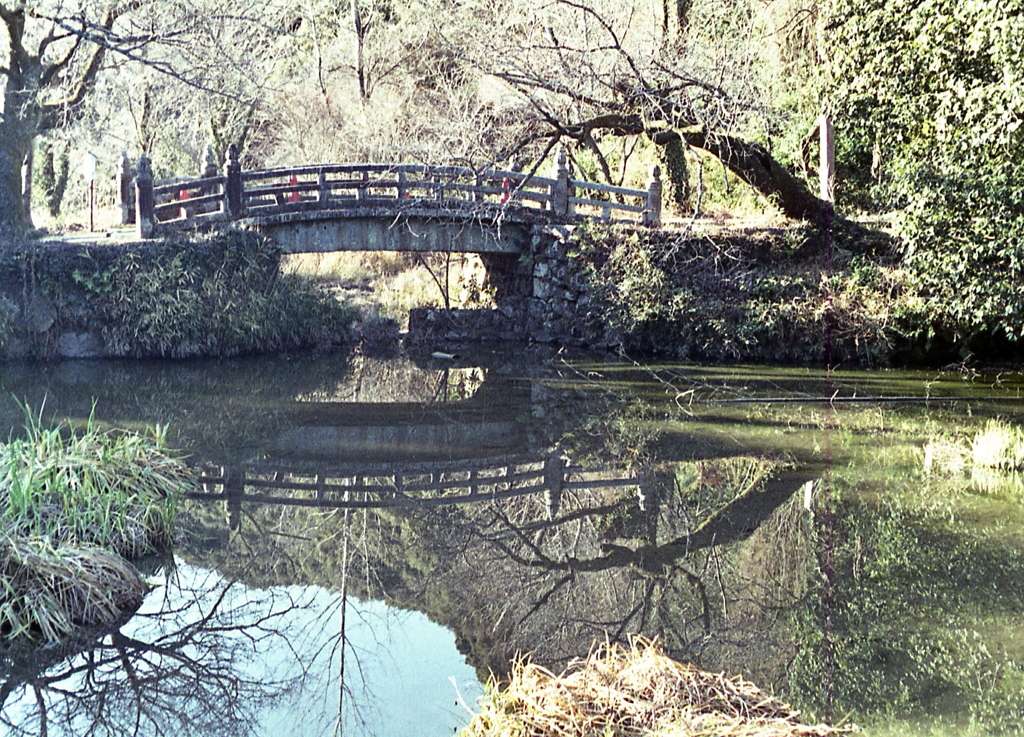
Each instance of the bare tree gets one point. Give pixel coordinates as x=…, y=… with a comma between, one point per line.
x=50, y=65
x=54, y=56
x=589, y=69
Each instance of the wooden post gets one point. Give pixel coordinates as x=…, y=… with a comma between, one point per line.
x=232, y=183
x=402, y=192
x=125, y=191
x=322, y=192
x=827, y=164
x=652, y=211
x=554, y=477
x=145, y=219
x=559, y=191
x=208, y=170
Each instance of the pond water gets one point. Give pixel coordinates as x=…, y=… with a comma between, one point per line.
x=374, y=538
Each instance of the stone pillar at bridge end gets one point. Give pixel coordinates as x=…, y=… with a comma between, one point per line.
x=145, y=218
x=232, y=183
x=652, y=210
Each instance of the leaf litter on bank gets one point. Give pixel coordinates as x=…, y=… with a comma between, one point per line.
x=635, y=690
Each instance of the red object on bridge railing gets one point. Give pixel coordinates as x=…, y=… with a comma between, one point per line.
x=294, y=195
x=182, y=196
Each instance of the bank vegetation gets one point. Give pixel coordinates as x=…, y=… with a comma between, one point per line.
x=203, y=295
x=76, y=505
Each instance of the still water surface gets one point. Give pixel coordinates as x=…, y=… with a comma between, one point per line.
x=374, y=538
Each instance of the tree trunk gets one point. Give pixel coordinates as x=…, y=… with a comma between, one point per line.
x=357, y=51
x=751, y=162
x=16, y=136
x=755, y=166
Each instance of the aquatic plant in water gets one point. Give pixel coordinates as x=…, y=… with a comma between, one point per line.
x=1000, y=445
x=113, y=489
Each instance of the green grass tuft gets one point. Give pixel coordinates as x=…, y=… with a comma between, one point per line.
x=116, y=490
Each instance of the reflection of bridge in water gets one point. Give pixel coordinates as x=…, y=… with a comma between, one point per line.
x=409, y=484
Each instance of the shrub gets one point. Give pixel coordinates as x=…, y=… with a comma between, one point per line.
x=219, y=296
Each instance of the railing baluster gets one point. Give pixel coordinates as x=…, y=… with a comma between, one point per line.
x=323, y=194
x=652, y=213
x=145, y=218
x=125, y=191
x=559, y=191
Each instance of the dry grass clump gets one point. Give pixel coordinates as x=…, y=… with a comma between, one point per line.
x=48, y=593
x=634, y=690
x=1000, y=445
x=945, y=457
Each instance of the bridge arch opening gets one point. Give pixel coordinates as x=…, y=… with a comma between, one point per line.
x=389, y=284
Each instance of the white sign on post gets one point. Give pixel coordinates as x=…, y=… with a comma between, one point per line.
x=89, y=167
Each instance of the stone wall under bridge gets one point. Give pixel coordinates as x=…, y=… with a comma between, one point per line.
x=542, y=297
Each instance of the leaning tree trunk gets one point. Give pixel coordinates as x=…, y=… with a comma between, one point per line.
x=749, y=161
x=755, y=166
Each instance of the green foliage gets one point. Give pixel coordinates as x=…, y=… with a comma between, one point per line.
x=938, y=88
x=52, y=179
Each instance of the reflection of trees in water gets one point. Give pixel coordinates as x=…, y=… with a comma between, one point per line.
x=922, y=610
x=400, y=379
x=605, y=568
x=194, y=667
x=505, y=577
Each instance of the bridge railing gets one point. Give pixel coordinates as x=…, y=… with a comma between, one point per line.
x=232, y=194
x=424, y=484
x=366, y=185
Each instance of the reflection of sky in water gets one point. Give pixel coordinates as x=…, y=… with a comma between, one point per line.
x=403, y=674
x=204, y=656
